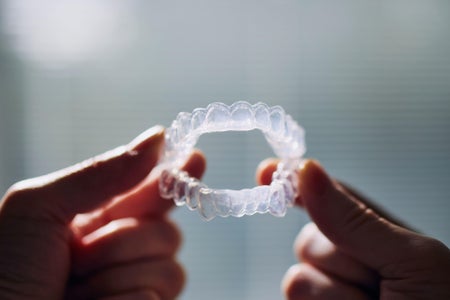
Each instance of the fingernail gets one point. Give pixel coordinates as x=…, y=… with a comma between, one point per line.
x=151, y=136
x=313, y=178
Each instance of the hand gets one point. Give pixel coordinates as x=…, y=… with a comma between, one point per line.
x=355, y=251
x=95, y=230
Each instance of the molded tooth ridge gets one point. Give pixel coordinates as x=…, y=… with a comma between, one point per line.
x=277, y=205
x=217, y=116
x=210, y=203
x=222, y=203
x=206, y=208
x=283, y=134
x=240, y=116
x=277, y=119
x=180, y=189
x=198, y=118
x=193, y=194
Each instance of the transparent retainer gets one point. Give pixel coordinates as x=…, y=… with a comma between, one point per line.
x=282, y=133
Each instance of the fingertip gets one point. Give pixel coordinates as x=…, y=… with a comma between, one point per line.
x=313, y=180
x=145, y=200
x=305, y=281
x=296, y=283
x=145, y=150
x=148, y=138
x=314, y=184
x=264, y=173
x=303, y=239
x=265, y=170
x=288, y=277
x=196, y=164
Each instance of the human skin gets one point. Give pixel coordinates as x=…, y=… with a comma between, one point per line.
x=99, y=230
x=354, y=250
x=96, y=230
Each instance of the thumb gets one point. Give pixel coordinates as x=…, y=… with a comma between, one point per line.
x=352, y=226
x=87, y=185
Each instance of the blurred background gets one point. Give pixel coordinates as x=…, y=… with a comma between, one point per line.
x=368, y=80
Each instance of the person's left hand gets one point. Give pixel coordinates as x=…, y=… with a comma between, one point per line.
x=356, y=250
x=95, y=230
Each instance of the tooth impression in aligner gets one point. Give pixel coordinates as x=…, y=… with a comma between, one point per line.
x=282, y=133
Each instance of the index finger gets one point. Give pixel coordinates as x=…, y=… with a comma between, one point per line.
x=264, y=175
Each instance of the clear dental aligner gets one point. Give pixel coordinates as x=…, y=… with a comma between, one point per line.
x=282, y=133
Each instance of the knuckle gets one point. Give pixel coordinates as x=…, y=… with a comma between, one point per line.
x=303, y=241
x=169, y=235
x=432, y=249
x=177, y=272
x=436, y=246
x=313, y=247
x=173, y=278
x=297, y=285
x=357, y=219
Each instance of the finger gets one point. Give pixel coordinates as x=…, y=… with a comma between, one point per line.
x=134, y=295
x=312, y=247
x=264, y=174
x=143, y=201
x=265, y=170
x=268, y=166
x=350, y=224
x=123, y=241
x=377, y=208
x=165, y=277
x=87, y=185
x=304, y=282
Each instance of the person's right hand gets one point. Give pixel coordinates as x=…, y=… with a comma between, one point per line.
x=354, y=250
x=96, y=230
